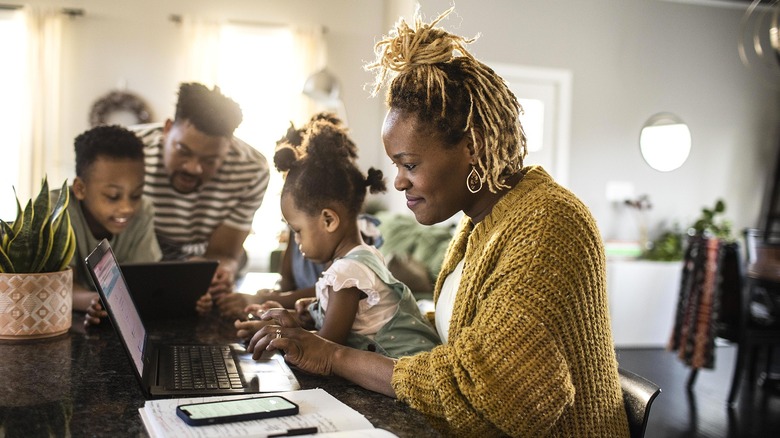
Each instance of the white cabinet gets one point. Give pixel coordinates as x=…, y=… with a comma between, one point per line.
x=642, y=301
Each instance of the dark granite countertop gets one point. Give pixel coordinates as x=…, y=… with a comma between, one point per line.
x=81, y=384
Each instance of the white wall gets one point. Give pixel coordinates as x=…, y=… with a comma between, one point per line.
x=629, y=60
x=136, y=43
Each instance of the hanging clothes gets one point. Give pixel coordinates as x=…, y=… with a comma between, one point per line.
x=707, y=283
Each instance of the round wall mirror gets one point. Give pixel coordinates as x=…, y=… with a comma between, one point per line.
x=665, y=142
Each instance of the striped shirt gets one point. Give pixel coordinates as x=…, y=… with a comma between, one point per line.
x=184, y=222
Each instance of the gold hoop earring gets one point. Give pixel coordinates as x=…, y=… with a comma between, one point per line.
x=474, y=180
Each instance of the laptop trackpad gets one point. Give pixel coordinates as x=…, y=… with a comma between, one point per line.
x=269, y=373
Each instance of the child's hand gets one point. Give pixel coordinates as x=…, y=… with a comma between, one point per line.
x=258, y=309
x=246, y=329
x=302, y=312
x=231, y=305
x=94, y=313
x=266, y=294
x=272, y=295
x=204, y=304
x=222, y=283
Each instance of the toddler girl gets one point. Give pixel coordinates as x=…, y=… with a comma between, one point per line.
x=358, y=302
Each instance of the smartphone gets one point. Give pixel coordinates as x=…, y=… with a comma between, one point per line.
x=199, y=414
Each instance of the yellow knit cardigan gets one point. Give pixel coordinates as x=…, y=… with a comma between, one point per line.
x=530, y=350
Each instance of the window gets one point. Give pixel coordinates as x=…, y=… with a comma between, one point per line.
x=261, y=69
x=12, y=86
x=545, y=95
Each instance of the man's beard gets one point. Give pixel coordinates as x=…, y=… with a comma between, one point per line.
x=190, y=188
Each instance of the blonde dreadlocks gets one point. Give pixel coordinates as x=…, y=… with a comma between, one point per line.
x=432, y=75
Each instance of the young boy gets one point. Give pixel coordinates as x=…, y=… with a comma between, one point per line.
x=106, y=202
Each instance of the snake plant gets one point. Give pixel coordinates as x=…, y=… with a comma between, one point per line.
x=41, y=238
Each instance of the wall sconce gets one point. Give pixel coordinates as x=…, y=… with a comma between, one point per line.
x=324, y=89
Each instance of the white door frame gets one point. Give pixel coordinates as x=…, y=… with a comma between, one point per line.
x=560, y=81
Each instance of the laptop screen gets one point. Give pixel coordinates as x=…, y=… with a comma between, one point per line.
x=126, y=317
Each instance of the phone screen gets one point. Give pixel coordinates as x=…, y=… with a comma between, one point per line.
x=236, y=410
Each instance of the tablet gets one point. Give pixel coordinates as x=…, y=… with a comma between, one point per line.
x=168, y=289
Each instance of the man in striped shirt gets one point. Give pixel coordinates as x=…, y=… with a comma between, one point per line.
x=205, y=183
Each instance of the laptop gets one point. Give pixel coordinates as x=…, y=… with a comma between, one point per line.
x=168, y=289
x=161, y=368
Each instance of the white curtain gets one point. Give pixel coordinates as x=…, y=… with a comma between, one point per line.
x=205, y=55
x=12, y=77
x=310, y=46
x=201, y=42
x=263, y=68
x=44, y=71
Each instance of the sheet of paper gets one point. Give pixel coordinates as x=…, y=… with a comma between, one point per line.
x=317, y=408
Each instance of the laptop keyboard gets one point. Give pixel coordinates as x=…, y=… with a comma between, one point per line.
x=205, y=367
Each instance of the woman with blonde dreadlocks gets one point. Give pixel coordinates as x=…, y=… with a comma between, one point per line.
x=521, y=302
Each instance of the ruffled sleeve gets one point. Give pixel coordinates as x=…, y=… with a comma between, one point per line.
x=347, y=273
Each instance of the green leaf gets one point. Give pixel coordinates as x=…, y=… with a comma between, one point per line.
x=5, y=263
x=62, y=202
x=41, y=206
x=17, y=225
x=70, y=248
x=41, y=239
x=7, y=233
x=63, y=245
x=49, y=231
x=44, y=250
x=20, y=249
x=41, y=227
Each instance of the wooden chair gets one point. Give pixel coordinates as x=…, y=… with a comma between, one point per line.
x=761, y=274
x=638, y=396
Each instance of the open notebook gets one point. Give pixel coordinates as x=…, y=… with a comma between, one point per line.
x=331, y=417
x=167, y=370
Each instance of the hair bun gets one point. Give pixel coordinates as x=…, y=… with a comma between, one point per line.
x=406, y=48
x=328, y=117
x=375, y=181
x=326, y=142
x=293, y=136
x=285, y=157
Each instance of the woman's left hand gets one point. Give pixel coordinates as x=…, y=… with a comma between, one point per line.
x=302, y=348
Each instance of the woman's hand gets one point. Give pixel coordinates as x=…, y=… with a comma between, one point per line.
x=301, y=348
x=95, y=313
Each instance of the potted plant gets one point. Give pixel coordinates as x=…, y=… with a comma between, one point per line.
x=670, y=244
x=709, y=223
x=36, y=284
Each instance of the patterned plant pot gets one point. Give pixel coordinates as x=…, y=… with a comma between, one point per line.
x=35, y=306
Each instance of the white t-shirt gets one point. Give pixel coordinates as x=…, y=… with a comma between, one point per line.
x=381, y=302
x=446, y=301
